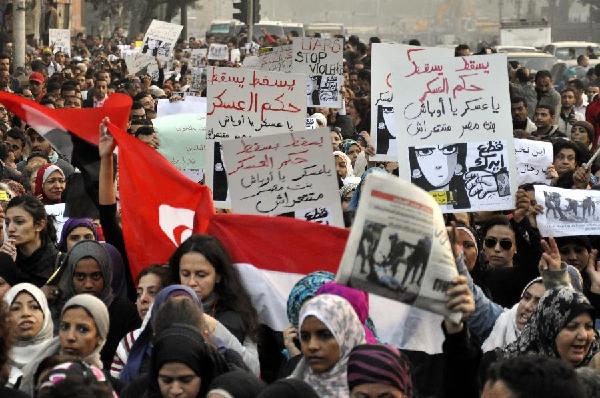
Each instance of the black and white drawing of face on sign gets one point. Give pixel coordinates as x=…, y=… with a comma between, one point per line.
x=461, y=175
x=386, y=132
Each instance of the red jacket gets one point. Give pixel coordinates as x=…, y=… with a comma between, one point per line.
x=592, y=115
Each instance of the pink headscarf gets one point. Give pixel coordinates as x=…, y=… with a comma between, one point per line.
x=359, y=301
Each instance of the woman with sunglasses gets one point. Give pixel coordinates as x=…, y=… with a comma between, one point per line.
x=511, y=253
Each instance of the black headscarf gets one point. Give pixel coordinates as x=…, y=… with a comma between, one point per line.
x=8, y=269
x=238, y=384
x=289, y=388
x=184, y=344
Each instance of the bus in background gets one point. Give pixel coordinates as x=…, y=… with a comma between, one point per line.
x=327, y=30
x=224, y=29
x=293, y=26
x=273, y=28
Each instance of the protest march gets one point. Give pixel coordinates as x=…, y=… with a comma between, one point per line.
x=296, y=215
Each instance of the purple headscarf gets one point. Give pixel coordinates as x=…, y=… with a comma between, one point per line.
x=70, y=225
x=359, y=301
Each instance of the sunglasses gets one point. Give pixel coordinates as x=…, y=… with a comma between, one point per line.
x=491, y=242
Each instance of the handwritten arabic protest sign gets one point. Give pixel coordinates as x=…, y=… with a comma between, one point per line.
x=182, y=142
x=190, y=104
x=568, y=212
x=455, y=130
x=385, y=58
x=198, y=80
x=398, y=246
x=532, y=160
x=245, y=102
x=322, y=60
x=278, y=59
x=311, y=123
x=60, y=40
x=218, y=52
x=138, y=62
x=283, y=173
x=160, y=39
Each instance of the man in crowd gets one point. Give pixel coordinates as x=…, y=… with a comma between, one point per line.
x=546, y=94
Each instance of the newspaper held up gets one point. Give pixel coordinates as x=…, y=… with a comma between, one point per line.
x=398, y=247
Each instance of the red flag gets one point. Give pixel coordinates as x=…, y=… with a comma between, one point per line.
x=160, y=207
x=82, y=122
x=280, y=243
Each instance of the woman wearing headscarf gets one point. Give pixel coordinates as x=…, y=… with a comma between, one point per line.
x=379, y=370
x=75, y=230
x=289, y=388
x=343, y=165
x=561, y=327
x=235, y=384
x=31, y=327
x=182, y=364
x=50, y=184
x=137, y=360
x=84, y=325
x=70, y=378
x=351, y=149
x=329, y=330
x=88, y=270
x=360, y=303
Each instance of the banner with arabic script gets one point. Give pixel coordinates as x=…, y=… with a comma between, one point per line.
x=284, y=173
x=455, y=131
x=385, y=58
x=244, y=102
x=533, y=159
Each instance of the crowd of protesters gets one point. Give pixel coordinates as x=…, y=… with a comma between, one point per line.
x=74, y=323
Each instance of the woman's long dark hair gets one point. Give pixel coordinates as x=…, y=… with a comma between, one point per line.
x=36, y=209
x=231, y=292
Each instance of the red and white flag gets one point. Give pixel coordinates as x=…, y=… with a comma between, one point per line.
x=160, y=206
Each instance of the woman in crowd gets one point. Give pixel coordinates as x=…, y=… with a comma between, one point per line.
x=376, y=370
x=343, y=166
x=235, y=384
x=84, y=325
x=202, y=263
x=88, y=270
x=50, y=184
x=75, y=378
x=30, y=243
x=583, y=132
x=352, y=149
x=5, y=346
x=74, y=230
x=31, y=326
x=182, y=364
x=329, y=330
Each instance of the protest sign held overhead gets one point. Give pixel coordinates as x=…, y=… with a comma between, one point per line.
x=60, y=40
x=183, y=142
x=245, y=102
x=568, y=212
x=322, y=60
x=385, y=58
x=198, y=57
x=532, y=161
x=198, y=83
x=278, y=59
x=455, y=131
x=138, y=62
x=218, y=52
x=160, y=39
x=398, y=246
x=283, y=173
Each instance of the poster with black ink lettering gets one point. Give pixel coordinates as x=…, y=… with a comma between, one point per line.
x=533, y=159
x=384, y=60
x=215, y=176
x=283, y=173
x=398, y=246
x=160, y=38
x=198, y=57
x=60, y=41
x=276, y=59
x=455, y=131
x=568, y=212
x=244, y=102
x=322, y=60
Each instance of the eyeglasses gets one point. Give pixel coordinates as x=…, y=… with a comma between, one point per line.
x=491, y=242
